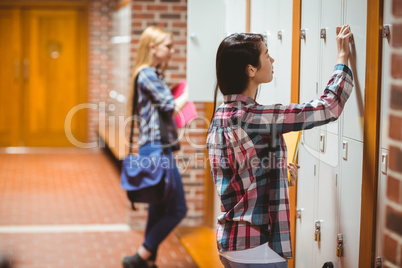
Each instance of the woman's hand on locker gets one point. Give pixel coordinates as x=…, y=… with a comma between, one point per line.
x=293, y=173
x=343, y=36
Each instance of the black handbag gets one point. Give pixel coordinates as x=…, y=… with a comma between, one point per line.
x=149, y=179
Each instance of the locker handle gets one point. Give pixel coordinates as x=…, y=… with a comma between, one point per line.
x=303, y=34
x=322, y=142
x=384, y=163
x=345, y=150
x=280, y=35
x=323, y=33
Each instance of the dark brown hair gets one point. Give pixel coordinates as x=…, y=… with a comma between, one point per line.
x=234, y=54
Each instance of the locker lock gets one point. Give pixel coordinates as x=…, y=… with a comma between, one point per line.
x=323, y=33
x=317, y=233
x=386, y=31
x=339, y=248
x=303, y=34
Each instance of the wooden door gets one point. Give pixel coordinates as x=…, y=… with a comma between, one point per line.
x=10, y=76
x=53, y=77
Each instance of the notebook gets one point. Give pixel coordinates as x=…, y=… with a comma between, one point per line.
x=188, y=113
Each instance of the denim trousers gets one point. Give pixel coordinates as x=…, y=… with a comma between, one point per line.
x=163, y=217
x=230, y=264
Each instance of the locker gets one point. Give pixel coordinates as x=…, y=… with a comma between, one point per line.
x=309, y=63
x=328, y=204
x=331, y=16
x=206, y=29
x=384, y=126
x=235, y=21
x=350, y=203
x=278, y=28
x=353, y=115
x=305, y=208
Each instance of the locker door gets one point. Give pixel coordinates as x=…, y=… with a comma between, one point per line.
x=383, y=157
x=235, y=21
x=206, y=29
x=309, y=62
x=331, y=16
x=283, y=55
x=306, y=206
x=350, y=202
x=327, y=204
x=356, y=17
x=264, y=19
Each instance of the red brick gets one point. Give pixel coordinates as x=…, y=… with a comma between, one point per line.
x=157, y=7
x=393, y=189
x=390, y=249
x=393, y=220
x=395, y=127
x=396, y=97
x=397, y=8
x=396, y=66
x=395, y=159
x=396, y=35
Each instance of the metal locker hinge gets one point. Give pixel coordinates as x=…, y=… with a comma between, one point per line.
x=386, y=31
x=378, y=262
x=317, y=232
x=384, y=163
x=323, y=33
x=303, y=34
x=280, y=35
x=299, y=212
x=339, y=247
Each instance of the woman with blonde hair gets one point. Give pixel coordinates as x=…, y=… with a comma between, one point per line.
x=154, y=99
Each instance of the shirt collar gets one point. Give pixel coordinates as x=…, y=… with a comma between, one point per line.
x=238, y=97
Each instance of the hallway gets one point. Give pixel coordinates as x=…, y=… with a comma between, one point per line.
x=65, y=208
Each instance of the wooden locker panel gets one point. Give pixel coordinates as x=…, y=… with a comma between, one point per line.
x=10, y=76
x=353, y=115
x=206, y=30
x=52, y=77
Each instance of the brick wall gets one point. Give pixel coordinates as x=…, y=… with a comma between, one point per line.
x=393, y=234
x=100, y=14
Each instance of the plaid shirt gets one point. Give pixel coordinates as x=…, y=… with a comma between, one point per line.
x=248, y=157
x=153, y=93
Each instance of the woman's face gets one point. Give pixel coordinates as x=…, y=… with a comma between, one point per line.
x=265, y=73
x=163, y=52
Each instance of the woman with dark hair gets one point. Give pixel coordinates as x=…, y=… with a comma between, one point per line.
x=247, y=151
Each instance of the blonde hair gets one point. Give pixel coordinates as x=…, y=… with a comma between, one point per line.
x=151, y=35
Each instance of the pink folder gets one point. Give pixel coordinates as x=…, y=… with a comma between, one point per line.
x=188, y=113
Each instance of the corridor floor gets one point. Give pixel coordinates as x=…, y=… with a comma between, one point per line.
x=65, y=208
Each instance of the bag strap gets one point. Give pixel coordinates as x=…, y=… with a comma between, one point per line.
x=162, y=122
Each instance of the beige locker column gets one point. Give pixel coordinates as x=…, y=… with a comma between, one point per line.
x=309, y=151
x=385, y=100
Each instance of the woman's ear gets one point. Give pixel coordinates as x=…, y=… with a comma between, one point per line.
x=250, y=70
x=152, y=47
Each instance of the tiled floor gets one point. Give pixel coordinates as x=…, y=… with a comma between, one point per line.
x=78, y=194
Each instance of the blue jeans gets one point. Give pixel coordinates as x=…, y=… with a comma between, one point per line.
x=163, y=217
x=231, y=264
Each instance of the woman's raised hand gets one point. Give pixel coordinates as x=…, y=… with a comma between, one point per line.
x=343, y=36
x=293, y=173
